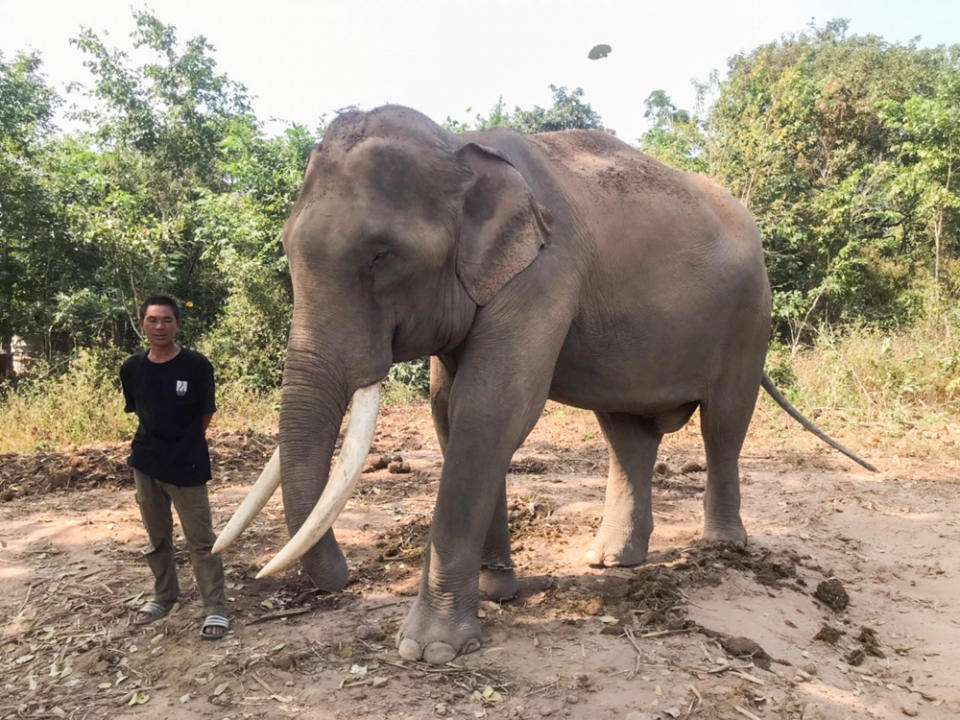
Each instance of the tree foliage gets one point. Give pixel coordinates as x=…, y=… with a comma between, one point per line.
x=174, y=189
x=31, y=252
x=568, y=112
x=844, y=149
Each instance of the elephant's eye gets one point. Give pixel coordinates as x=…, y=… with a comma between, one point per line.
x=379, y=257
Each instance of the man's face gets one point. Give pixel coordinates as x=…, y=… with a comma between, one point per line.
x=160, y=325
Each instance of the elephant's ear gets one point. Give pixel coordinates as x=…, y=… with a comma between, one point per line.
x=502, y=226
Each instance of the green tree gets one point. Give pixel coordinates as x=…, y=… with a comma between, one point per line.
x=675, y=137
x=798, y=133
x=569, y=112
x=928, y=160
x=31, y=252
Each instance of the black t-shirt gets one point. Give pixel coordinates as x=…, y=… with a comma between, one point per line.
x=170, y=399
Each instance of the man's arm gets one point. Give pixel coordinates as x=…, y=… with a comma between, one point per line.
x=208, y=401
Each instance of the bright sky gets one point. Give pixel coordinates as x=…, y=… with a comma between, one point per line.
x=301, y=59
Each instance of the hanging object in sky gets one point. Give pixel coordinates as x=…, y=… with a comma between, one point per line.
x=599, y=51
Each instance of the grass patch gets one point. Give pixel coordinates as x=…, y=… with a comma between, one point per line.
x=898, y=392
x=83, y=405
x=51, y=410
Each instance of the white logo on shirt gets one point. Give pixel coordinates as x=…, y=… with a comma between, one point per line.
x=181, y=388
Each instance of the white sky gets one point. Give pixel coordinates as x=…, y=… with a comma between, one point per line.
x=302, y=59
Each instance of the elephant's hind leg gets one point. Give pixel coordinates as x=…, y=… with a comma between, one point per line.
x=627, y=513
x=498, y=580
x=724, y=421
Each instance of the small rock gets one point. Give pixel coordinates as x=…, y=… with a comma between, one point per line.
x=910, y=709
x=811, y=712
x=828, y=634
x=855, y=657
x=593, y=606
x=661, y=468
x=374, y=463
x=745, y=647
x=284, y=661
x=379, y=681
x=370, y=633
x=832, y=594
x=571, y=699
x=398, y=467
x=871, y=644
x=809, y=668
x=692, y=467
x=441, y=708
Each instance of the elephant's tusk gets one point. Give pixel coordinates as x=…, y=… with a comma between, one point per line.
x=253, y=503
x=343, y=478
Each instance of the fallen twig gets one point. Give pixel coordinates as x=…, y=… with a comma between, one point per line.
x=747, y=676
x=542, y=688
x=663, y=633
x=628, y=633
x=277, y=614
x=746, y=713
x=26, y=599
x=380, y=606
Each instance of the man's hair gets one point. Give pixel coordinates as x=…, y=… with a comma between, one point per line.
x=159, y=300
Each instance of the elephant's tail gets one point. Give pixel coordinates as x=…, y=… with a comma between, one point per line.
x=768, y=385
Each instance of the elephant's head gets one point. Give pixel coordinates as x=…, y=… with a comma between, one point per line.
x=402, y=231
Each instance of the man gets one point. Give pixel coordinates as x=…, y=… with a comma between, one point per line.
x=171, y=390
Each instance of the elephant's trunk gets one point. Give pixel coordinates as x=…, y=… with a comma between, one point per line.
x=340, y=485
x=314, y=401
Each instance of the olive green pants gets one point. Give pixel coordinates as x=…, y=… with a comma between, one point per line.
x=193, y=509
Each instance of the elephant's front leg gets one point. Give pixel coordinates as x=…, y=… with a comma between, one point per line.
x=485, y=430
x=498, y=579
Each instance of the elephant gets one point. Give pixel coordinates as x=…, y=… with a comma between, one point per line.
x=563, y=265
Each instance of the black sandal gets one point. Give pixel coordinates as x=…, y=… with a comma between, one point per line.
x=214, y=627
x=151, y=612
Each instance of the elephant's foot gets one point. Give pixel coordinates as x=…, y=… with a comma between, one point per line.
x=498, y=582
x=718, y=532
x=436, y=637
x=326, y=566
x=617, y=547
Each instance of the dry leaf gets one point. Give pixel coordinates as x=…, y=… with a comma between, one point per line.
x=105, y=686
x=491, y=695
x=609, y=620
x=658, y=690
x=220, y=688
x=139, y=698
x=360, y=670
x=185, y=698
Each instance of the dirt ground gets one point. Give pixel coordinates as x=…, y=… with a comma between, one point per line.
x=846, y=603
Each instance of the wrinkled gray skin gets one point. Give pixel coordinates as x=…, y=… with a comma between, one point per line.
x=564, y=265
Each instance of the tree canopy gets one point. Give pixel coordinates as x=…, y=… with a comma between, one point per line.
x=845, y=148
